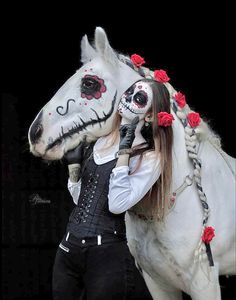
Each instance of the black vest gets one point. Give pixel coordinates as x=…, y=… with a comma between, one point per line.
x=91, y=216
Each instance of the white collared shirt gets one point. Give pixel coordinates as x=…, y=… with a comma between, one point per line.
x=125, y=189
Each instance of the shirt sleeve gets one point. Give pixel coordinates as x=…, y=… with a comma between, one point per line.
x=74, y=189
x=126, y=190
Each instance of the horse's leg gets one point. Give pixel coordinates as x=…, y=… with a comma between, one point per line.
x=160, y=289
x=205, y=282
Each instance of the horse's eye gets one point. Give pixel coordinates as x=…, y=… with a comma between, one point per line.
x=140, y=99
x=90, y=85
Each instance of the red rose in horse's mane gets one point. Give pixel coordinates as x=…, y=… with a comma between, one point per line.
x=164, y=119
x=180, y=99
x=137, y=60
x=208, y=234
x=193, y=119
x=161, y=76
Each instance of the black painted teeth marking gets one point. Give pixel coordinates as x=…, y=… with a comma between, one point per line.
x=79, y=127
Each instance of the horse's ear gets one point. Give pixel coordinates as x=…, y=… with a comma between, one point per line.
x=103, y=46
x=87, y=51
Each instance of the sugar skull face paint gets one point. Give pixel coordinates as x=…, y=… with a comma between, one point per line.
x=137, y=100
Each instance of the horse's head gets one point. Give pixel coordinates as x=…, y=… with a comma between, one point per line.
x=85, y=106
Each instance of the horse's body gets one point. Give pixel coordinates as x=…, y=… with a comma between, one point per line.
x=164, y=250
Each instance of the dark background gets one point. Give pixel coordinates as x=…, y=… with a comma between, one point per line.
x=41, y=50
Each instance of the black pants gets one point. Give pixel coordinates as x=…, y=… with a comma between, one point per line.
x=85, y=270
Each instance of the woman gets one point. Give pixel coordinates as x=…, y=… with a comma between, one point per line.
x=151, y=152
x=93, y=256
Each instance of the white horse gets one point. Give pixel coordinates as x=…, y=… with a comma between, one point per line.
x=170, y=253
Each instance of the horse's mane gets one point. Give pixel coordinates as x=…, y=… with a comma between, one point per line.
x=205, y=132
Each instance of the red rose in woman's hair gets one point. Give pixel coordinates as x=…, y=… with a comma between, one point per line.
x=137, y=60
x=164, y=119
x=161, y=76
x=193, y=119
x=208, y=234
x=180, y=99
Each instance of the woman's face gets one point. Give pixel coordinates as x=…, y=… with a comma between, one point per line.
x=136, y=101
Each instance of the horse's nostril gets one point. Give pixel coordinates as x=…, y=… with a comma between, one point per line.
x=36, y=132
x=36, y=129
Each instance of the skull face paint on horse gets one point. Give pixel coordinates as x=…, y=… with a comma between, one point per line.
x=85, y=106
x=136, y=101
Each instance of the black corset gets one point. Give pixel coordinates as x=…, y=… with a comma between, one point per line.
x=91, y=216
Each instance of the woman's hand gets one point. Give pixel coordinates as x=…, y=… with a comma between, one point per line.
x=75, y=156
x=74, y=159
x=127, y=134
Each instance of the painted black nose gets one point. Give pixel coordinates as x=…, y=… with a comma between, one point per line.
x=36, y=129
x=128, y=98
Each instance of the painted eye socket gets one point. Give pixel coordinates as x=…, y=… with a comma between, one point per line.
x=130, y=90
x=140, y=99
x=90, y=85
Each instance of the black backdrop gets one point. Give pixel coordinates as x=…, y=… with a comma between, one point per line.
x=41, y=50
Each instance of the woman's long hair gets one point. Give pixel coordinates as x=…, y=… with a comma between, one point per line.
x=159, y=139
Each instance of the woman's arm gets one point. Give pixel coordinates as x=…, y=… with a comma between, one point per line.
x=74, y=189
x=126, y=190
x=74, y=159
